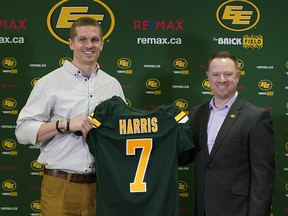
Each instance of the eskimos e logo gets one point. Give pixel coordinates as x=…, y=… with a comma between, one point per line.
x=62, y=60
x=9, y=185
x=9, y=144
x=238, y=15
x=240, y=64
x=181, y=103
x=124, y=63
x=182, y=186
x=152, y=83
x=180, y=63
x=64, y=13
x=9, y=62
x=36, y=166
x=206, y=84
x=9, y=103
x=265, y=85
x=36, y=206
x=34, y=81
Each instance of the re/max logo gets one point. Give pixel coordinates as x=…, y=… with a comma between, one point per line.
x=158, y=25
x=13, y=24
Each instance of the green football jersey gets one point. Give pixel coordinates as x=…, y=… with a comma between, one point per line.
x=136, y=155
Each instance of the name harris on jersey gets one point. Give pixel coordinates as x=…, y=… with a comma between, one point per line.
x=138, y=125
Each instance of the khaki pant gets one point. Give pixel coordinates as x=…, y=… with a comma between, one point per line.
x=60, y=197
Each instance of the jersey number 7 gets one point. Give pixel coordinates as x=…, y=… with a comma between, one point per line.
x=138, y=185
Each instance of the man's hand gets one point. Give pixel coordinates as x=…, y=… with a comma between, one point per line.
x=81, y=125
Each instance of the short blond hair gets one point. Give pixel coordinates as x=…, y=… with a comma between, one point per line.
x=84, y=21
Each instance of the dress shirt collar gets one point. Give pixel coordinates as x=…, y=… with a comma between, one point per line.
x=227, y=105
x=72, y=69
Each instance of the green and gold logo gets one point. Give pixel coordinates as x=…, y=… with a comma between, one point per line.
x=36, y=206
x=9, y=62
x=181, y=103
x=265, y=85
x=34, y=81
x=152, y=84
x=36, y=166
x=9, y=185
x=206, y=84
x=124, y=63
x=9, y=144
x=238, y=15
x=9, y=103
x=64, y=13
x=240, y=64
x=62, y=60
x=182, y=186
x=180, y=63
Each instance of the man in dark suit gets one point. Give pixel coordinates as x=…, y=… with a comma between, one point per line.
x=234, y=140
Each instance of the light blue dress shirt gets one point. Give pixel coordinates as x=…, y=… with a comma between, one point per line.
x=216, y=119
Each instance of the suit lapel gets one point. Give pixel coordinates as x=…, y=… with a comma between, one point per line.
x=230, y=119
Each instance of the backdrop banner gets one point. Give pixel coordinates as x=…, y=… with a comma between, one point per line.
x=158, y=50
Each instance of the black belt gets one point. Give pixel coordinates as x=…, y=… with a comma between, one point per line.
x=72, y=177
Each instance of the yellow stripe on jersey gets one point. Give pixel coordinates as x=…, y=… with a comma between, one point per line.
x=180, y=116
x=95, y=122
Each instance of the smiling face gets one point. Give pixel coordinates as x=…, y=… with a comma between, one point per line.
x=86, y=45
x=223, y=76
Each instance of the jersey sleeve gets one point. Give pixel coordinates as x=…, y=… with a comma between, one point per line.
x=96, y=120
x=101, y=112
x=184, y=132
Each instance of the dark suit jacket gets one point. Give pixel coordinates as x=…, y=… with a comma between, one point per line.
x=237, y=178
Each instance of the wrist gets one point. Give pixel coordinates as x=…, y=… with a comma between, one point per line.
x=59, y=126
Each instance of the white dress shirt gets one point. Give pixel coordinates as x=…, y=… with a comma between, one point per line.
x=61, y=94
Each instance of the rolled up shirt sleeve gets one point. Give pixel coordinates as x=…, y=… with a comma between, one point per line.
x=35, y=113
x=26, y=131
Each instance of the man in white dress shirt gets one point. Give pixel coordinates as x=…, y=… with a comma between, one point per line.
x=59, y=106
